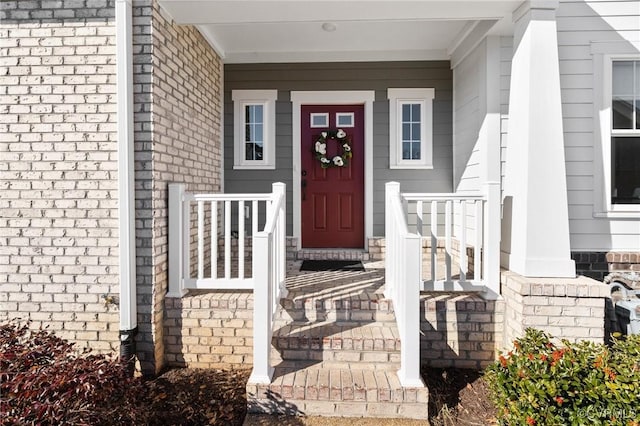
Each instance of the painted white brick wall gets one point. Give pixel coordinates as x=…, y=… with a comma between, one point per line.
x=58, y=173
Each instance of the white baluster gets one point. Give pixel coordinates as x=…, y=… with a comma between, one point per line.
x=463, y=241
x=434, y=241
x=214, y=239
x=227, y=240
x=241, y=239
x=447, y=238
x=477, y=250
x=200, y=240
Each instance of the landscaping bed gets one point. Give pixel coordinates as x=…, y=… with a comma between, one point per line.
x=45, y=381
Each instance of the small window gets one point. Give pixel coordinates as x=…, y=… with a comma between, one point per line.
x=625, y=132
x=410, y=128
x=254, y=128
x=344, y=119
x=319, y=119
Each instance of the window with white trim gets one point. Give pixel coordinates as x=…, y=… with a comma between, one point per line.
x=411, y=128
x=254, y=130
x=625, y=131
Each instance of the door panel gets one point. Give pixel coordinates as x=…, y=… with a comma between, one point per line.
x=332, y=198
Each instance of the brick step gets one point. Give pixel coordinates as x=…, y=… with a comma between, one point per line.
x=364, y=307
x=374, y=336
x=338, y=392
x=358, y=361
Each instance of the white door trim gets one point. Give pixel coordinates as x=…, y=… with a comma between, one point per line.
x=363, y=97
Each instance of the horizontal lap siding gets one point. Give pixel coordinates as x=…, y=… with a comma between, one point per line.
x=470, y=82
x=344, y=76
x=580, y=24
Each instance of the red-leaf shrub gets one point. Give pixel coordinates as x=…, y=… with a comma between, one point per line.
x=45, y=381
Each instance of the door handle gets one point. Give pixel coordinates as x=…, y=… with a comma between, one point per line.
x=303, y=183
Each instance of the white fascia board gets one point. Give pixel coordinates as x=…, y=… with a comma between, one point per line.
x=469, y=38
x=211, y=40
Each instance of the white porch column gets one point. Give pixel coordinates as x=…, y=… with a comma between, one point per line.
x=535, y=217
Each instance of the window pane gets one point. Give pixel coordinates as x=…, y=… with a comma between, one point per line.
x=319, y=119
x=257, y=133
x=625, y=170
x=406, y=131
x=406, y=113
x=415, y=132
x=622, y=113
x=249, y=151
x=415, y=151
x=415, y=112
x=637, y=80
x=344, y=119
x=622, y=78
x=638, y=112
x=258, y=152
x=406, y=150
x=248, y=133
x=257, y=114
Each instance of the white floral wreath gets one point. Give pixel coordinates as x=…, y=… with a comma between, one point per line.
x=320, y=150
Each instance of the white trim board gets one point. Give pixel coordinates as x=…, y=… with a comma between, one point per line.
x=363, y=97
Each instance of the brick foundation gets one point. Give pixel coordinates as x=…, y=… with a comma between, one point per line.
x=597, y=264
x=209, y=330
x=459, y=330
x=571, y=309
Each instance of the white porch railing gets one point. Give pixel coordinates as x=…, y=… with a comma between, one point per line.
x=214, y=215
x=202, y=220
x=472, y=221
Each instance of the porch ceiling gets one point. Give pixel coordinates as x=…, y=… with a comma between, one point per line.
x=252, y=31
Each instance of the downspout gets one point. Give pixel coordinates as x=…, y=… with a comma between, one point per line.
x=126, y=182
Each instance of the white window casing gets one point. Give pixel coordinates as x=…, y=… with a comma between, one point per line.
x=397, y=99
x=248, y=98
x=604, y=131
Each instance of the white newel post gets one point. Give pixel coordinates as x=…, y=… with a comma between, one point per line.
x=262, y=264
x=491, y=261
x=392, y=192
x=279, y=189
x=176, y=237
x=536, y=211
x=409, y=373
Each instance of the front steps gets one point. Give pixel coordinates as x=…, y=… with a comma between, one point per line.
x=336, y=351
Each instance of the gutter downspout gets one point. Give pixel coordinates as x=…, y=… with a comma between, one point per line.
x=126, y=182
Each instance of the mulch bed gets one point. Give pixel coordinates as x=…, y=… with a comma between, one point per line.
x=198, y=397
x=217, y=397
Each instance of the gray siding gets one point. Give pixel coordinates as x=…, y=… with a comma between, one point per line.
x=377, y=76
x=580, y=26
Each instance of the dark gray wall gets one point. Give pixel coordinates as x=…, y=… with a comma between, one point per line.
x=378, y=76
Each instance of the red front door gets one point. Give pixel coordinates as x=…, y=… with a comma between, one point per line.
x=332, y=197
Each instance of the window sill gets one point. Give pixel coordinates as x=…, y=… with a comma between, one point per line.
x=627, y=214
x=411, y=167
x=254, y=167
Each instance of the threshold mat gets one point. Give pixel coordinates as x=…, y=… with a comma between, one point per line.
x=332, y=265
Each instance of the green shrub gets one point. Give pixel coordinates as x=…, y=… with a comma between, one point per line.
x=541, y=383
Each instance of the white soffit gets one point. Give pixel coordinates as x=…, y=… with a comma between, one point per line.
x=248, y=31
